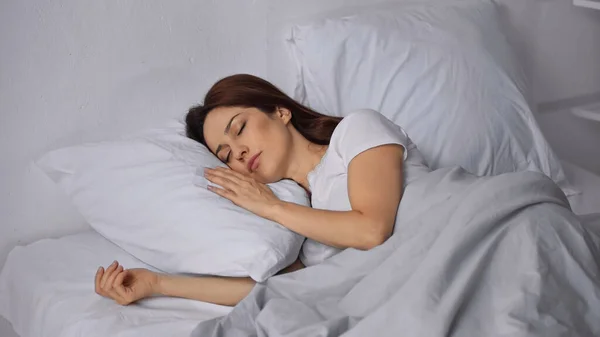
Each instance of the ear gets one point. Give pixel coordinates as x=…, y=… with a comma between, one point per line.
x=284, y=114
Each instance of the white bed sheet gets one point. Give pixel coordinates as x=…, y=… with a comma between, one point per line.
x=46, y=289
x=588, y=201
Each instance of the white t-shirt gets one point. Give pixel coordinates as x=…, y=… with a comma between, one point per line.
x=328, y=181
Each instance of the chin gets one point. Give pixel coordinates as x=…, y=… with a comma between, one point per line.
x=266, y=180
x=267, y=177
x=268, y=171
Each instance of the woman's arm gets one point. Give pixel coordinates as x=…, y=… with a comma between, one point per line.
x=374, y=189
x=126, y=286
x=213, y=289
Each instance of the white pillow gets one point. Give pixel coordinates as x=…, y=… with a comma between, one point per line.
x=443, y=70
x=141, y=194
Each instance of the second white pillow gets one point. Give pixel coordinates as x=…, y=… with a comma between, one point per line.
x=443, y=70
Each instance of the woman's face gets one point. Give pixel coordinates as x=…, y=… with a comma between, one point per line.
x=250, y=141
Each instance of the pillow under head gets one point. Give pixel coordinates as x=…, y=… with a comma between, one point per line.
x=146, y=194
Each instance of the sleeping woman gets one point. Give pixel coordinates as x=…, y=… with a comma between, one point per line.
x=354, y=168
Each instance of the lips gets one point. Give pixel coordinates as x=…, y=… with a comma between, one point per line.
x=253, y=162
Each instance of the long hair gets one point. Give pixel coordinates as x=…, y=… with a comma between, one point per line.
x=247, y=91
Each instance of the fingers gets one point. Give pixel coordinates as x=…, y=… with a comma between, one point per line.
x=111, y=279
x=108, y=273
x=222, y=172
x=119, y=288
x=105, y=279
x=228, y=171
x=222, y=192
x=118, y=291
x=99, y=274
x=119, y=279
x=224, y=180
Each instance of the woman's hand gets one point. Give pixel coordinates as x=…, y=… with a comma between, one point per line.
x=125, y=286
x=242, y=190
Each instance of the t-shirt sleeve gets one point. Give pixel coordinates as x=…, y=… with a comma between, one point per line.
x=363, y=130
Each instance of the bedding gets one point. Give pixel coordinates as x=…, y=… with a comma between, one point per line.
x=47, y=290
x=47, y=287
x=6, y=329
x=470, y=256
x=443, y=70
x=146, y=193
x=588, y=201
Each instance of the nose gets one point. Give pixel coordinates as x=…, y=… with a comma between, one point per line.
x=240, y=152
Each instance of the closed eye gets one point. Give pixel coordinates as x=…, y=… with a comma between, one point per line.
x=239, y=133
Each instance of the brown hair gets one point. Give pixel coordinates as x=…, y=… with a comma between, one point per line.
x=250, y=91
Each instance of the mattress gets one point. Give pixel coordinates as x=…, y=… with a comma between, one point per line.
x=588, y=201
x=47, y=289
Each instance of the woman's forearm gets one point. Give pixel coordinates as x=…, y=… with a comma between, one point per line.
x=342, y=229
x=213, y=289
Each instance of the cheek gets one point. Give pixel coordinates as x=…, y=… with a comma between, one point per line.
x=275, y=161
x=268, y=137
x=238, y=167
x=274, y=139
x=267, y=171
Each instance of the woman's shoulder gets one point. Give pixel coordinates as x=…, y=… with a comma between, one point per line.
x=364, y=115
x=366, y=121
x=364, y=129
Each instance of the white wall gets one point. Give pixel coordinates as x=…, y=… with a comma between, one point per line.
x=559, y=45
x=74, y=71
x=565, y=64
x=573, y=139
x=71, y=70
x=566, y=51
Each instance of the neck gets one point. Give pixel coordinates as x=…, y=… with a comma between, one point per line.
x=305, y=156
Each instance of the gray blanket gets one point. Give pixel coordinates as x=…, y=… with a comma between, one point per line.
x=491, y=256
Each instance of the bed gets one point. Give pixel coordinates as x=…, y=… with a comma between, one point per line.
x=46, y=290
x=47, y=287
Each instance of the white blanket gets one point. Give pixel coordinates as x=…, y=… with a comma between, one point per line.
x=493, y=256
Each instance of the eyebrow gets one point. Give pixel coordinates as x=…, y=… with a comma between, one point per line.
x=226, y=131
